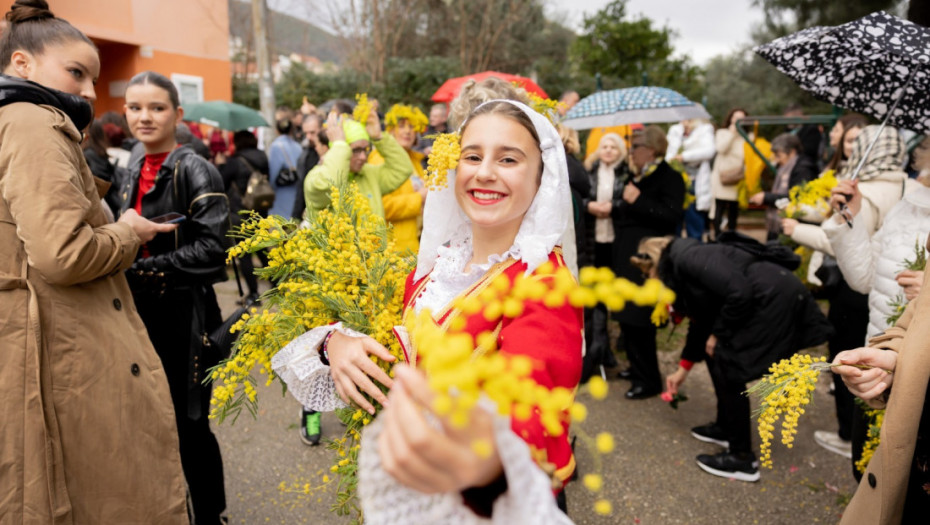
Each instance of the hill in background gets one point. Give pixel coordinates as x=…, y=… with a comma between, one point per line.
x=288, y=34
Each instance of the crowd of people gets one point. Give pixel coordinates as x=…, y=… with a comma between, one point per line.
x=116, y=231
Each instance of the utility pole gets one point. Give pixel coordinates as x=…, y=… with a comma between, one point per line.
x=263, y=62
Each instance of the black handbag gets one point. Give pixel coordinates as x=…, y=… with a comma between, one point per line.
x=218, y=343
x=287, y=175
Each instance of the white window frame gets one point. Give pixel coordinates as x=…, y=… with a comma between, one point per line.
x=188, y=80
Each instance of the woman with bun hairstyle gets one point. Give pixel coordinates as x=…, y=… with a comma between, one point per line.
x=172, y=277
x=88, y=434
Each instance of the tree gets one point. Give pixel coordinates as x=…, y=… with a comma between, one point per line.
x=743, y=79
x=632, y=51
x=787, y=16
x=266, y=97
x=479, y=34
x=373, y=30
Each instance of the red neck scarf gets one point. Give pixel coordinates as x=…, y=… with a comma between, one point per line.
x=150, y=169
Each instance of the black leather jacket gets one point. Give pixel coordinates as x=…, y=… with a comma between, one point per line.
x=189, y=185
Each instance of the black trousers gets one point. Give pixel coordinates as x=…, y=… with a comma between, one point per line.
x=731, y=209
x=733, y=414
x=849, y=315
x=640, y=345
x=168, y=319
x=595, y=323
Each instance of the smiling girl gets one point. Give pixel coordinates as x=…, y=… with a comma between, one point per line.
x=88, y=434
x=172, y=275
x=506, y=210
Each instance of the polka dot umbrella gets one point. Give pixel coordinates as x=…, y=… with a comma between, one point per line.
x=644, y=104
x=878, y=65
x=865, y=65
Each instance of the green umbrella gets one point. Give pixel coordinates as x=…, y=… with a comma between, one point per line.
x=224, y=115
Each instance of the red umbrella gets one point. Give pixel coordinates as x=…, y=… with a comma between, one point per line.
x=450, y=88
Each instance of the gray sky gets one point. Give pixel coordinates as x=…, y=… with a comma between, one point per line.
x=705, y=27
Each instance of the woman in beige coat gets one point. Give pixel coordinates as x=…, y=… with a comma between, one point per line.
x=88, y=433
x=896, y=486
x=728, y=164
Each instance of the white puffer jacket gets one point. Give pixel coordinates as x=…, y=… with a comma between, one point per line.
x=697, y=147
x=879, y=195
x=870, y=266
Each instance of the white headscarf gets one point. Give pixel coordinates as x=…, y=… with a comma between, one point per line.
x=548, y=222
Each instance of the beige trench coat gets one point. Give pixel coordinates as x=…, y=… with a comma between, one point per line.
x=88, y=433
x=729, y=158
x=879, y=500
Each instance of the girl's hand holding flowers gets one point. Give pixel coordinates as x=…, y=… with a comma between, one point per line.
x=910, y=281
x=788, y=226
x=352, y=369
x=867, y=384
x=429, y=459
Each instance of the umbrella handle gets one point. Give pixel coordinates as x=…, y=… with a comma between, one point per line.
x=865, y=156
x=855, y=174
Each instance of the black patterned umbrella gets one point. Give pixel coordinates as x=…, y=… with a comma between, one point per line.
x=878, y=65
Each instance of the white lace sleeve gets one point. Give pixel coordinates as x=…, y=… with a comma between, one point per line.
x=308, y=380
x=528, y=500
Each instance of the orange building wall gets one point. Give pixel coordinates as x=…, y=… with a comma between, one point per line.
x=189, y=37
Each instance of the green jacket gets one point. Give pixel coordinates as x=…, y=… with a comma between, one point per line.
x=373, y=181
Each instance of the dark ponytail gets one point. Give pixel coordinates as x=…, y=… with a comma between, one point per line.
x=32, y=27
x=157, y=79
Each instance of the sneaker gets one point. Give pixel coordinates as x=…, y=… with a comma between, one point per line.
x=834, y=443
x=711, y=433
x=309, y=426
x=742, y=467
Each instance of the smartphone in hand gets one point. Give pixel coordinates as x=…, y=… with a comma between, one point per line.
x=169, y=218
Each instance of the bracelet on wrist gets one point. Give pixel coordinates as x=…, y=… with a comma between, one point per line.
x=324, y=348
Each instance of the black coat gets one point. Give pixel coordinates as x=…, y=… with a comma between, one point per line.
x=236, y=173
x=105, y=170
x=172, y=285
x=580, y=186
x=197, y=253
x=308, y=159
x=656, y=212
x=621, y=175
x=759, y=311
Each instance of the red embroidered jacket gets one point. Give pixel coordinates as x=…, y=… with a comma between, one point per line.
x=551, y=337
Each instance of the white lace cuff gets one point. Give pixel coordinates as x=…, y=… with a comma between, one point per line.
x=307, y=378
x=528, y=500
